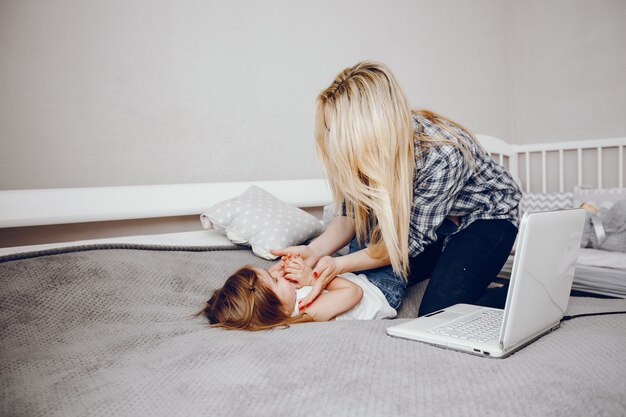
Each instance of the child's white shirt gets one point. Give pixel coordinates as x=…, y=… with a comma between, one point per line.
x=373, y=305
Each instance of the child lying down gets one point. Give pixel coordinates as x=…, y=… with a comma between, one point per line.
x=256, y=299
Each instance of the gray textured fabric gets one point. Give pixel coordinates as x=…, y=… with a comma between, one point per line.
x=108, y=333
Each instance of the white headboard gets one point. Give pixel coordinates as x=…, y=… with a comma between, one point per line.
x=558, y=166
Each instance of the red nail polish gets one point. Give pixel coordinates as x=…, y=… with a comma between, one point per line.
x=301, y=308
x=315, y=274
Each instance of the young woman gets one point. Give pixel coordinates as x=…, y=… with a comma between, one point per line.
x=420, y=197
x=257, y=299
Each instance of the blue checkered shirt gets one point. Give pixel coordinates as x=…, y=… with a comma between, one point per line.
x=446, y=184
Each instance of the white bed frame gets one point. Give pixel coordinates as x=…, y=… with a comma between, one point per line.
x=518, y=159
x=76, y=205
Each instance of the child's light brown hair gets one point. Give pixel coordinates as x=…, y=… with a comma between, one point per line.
x=245, y=303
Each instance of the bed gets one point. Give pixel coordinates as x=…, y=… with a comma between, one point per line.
x=104, y=328
x=563, y=175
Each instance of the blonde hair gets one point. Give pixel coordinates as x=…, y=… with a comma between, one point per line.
x=368, y=153
x=245, y=303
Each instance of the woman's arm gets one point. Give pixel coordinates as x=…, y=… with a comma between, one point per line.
x=355, y=261
x=328, y=267
x=337, y=235
x=341, y=296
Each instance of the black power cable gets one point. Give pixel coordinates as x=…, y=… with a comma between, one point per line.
x=606, y=313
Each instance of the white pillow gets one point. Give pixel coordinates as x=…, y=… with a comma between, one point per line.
x=330, y=211
x=262, y=221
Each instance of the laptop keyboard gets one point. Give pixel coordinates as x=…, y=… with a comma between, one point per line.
x=482, y=328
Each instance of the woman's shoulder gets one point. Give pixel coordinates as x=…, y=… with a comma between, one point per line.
x=439, y=139
x=439, y=129
x=420, y=123
x=437, y=155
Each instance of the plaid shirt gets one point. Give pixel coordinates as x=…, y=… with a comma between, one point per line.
x=446, y=184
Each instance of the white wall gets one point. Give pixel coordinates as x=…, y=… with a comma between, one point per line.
x=569, y=70
x=97, y=93
x=130, y=92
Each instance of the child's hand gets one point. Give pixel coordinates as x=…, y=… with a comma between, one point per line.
x=297, y=270
x=590, y=207
x=325, y=271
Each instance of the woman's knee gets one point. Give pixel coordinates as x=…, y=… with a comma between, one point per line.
x=390, y=284
x=470, y=261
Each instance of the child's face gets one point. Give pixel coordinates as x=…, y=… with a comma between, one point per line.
x=285, y=290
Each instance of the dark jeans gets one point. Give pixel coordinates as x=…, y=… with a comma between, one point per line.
x=460, y=273
x=392, y=286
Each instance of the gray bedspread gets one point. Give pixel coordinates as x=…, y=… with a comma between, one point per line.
x=108, y=333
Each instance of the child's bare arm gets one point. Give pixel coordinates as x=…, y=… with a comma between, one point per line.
x=340, y=297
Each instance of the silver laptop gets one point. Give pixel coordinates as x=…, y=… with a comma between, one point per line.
x=539, y=289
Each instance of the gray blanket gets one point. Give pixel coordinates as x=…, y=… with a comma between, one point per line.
x=108, y=333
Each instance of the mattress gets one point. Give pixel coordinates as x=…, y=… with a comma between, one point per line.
x=108, y=331
x=199, y=239
x=597, y=272
x=599, y=280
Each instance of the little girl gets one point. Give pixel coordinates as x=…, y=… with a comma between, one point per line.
x=257, y=299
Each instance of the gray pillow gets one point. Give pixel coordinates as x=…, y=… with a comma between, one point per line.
x=607, y=229
x=262, y=221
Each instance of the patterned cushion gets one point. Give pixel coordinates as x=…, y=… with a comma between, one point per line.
x=262, y=221
x=532, y=202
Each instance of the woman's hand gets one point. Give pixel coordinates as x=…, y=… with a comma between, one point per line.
x=297, y=271
x=303, y=251
x=337, y=235
x=324, y=272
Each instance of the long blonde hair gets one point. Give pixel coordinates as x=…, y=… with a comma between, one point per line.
x=245, y=303
x=368, y=153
